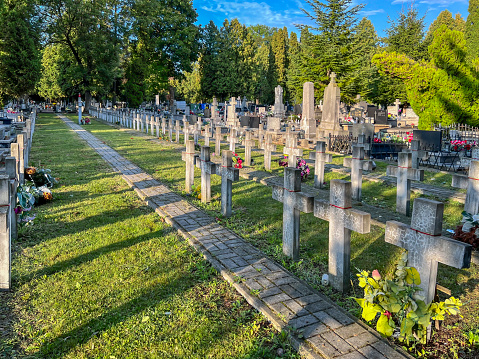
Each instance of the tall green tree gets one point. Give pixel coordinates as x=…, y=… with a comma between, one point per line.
x=279, y=46
x=208, y=61
x=294, y=73
x=472, y=30
x=328, y=46
x=84, y=28
x=443, y=90
x=50, y=84
x=19, y=49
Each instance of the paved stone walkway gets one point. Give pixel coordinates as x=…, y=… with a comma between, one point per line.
x=289, y=303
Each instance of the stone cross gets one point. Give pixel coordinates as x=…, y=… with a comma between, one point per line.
x=416, y=153
x=397, y=103
x=404, y=174
x=294, y=202
x=320, y=158
x=471, y=183
x=228, y=175
x=177, y=131
x=170, y=130
x=342, y=220
x=248, y=145
x=292, y=150
x=186, y=132
x=207, y=135
x=260, y=135
x=163, y=126
x=189, y=156
x=152, y=124
x=5, y=238
x=233, y=140
x=218, y=139
x=356, y=171
x=208, y=168
x=142, y=122
x=147, y=123
x=268, y=148
x=424, y=244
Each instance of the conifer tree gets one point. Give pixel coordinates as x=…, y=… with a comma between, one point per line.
x=472, y=30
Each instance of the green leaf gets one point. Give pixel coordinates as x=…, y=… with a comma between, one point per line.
x=384, y=326
x=370, y=311
x=412, y=276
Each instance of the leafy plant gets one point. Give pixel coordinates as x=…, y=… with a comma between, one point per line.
x=396, y=303
x=40, y=177
x=467, y=233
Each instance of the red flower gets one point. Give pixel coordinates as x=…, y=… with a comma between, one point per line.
x=387, y=314
x=467, y=147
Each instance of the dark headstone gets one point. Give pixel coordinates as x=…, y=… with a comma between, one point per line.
x=207, y=112
x=297, y=109
x=371, y=111
x=381, y=117
x=429, y=140
x=244, y=121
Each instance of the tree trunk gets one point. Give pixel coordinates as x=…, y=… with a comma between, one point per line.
x=87, y=101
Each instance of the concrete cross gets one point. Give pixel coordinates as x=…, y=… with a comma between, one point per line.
x=163, y=126
x=228, y=175
x=248, y=145
x=207, y=135
x=424, y=244
x=404, y=174
x=233, y=140
x=356, y=163
x=294, y=202
x=177, y=131
x=152, y=124
x=260, y=135
x=170, y=130
x=142, y=122
x=218, y=139
x=208, y=168
x=368, y=165
x=5, y=238
x=416, y=153
x=471, y=183
x=342, y=220
x=147, y=123
x=397, y=103
x=268, y=148
x=320, y=158
x=292, y=151
x=189, y=156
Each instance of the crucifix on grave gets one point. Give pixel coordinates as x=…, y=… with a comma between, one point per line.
x=228, y=174
x=208, y=168
x=170, y=130
x=163, y=126
x=189, y=156
x=397, y=103
x=291, y=150
x=207, y=135
x=186, y=132
x=248, y=145
x=320, y=158
x=471, y=183
x=218, y=139
x=294, y=202
x=356, y=163
x=260, y=135
x=233, y=139
x=342, y=220
x=177, y=131
x=425, y=246
x=404, y=174
x=268, y=148
x=416, y=152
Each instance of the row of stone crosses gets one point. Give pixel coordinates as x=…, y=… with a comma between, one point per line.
x=422, y=239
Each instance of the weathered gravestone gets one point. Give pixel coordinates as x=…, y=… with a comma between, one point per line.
x=291, y=150
x=268, y=147
x=248, y=145
x=330, y=117
x=404, y=174
x=177, y=131
x=416, y=153
x=228, y=175
x=218, y=139
x=294, y=202
x=381, y=117
x=232, y=139
x=342, y=220
x=189, y=156
x=208, y=168
x=170, y=130
x=5, y=237
x=425, y=246
x=320, y=158
x=356, y=163
x=278, y=102
x=308, y=120
x=207, y=135
x=471, y=183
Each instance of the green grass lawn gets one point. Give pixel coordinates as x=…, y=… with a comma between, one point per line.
x=258, y=219
x=100, y=275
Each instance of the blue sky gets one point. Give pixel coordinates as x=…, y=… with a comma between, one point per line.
x=279, y=13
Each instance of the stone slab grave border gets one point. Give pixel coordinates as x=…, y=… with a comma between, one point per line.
x=288, y=303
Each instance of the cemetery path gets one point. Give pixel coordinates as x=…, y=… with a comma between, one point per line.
x=289, y=303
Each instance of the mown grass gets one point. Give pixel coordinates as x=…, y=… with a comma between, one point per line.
x=100, y=275
x=258, y=218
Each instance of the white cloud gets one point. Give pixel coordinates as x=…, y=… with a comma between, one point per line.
x=371, y=12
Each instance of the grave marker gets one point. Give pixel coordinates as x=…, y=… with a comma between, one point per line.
x=208, y=168
x=404, y=174
x=233, y=140
x=320, y=158
x=291, y=150
x=189, y=156
x=177, y=131
x=228, y=175
x=218, y=139
x=471, y=183
x=268, y=147
x=207, y=135
x=5, y=238
x=294, y=202
x=342, y=220
x=425, y=246
x=248, y=145
x=356, y=163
